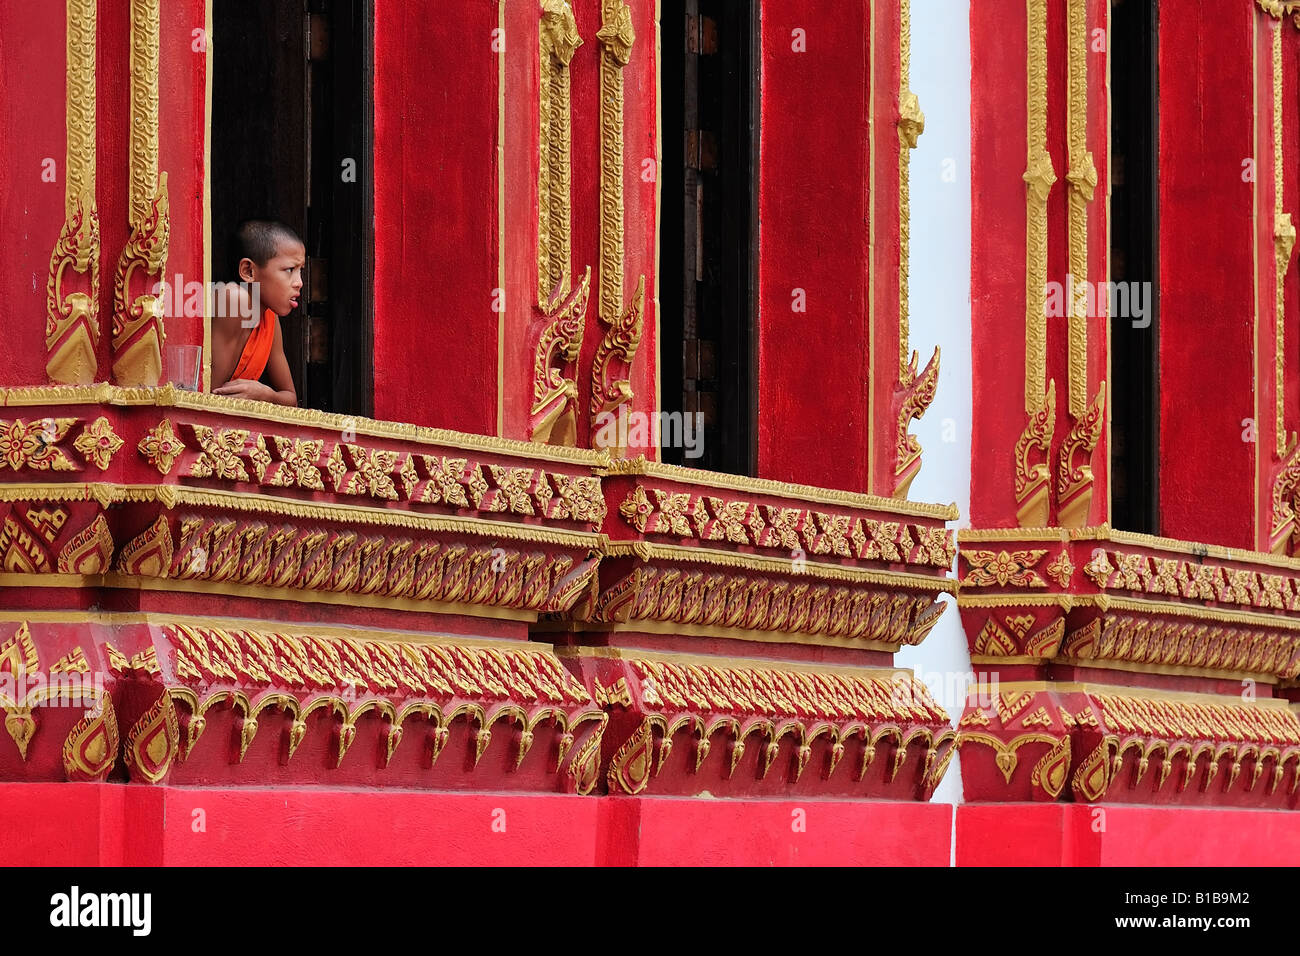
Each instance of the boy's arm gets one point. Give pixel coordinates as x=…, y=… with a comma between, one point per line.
x=279, y=392
x=278, y=370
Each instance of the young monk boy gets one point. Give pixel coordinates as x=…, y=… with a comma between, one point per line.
x=247, y=347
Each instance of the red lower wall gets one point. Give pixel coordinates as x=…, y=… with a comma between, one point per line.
x=115, y=824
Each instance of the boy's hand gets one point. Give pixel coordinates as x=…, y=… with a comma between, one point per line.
x=247, y=388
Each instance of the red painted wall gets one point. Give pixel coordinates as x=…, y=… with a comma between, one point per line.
x=436, y=214
x=1206, y=273
x=182, y=120
x=32, y=121
x=813, y=378
x=113, y=122
x=998, y=154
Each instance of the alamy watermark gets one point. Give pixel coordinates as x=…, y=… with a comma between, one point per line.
x=1119, y=300
x=683, y=430
x=221, y=300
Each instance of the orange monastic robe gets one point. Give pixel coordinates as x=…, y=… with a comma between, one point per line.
x=257, y=350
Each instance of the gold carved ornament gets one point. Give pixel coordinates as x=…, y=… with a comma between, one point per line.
x=276, y=461
x=138, y=332
x=1075, y=479
x=72, y=317
x=90, y=748
x=440, y=683
x=1032, y=481
x=705, y=700
x=705, y=518
x=253, y=554
x=1282, y=8
x=915, y=393
x=724, y=603
x=552, y=419
x=612, y=389
x=552, y=415
x=1284, y=530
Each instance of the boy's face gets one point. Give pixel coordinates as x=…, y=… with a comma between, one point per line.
x=280, y=280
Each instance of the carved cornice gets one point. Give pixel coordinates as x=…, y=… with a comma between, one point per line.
x=799, y=604
x=795, y=532
x=1131, y=746
x=170, y=397
x=1095, y=597
x=753, y=728
x=639, y=466
x=72, y=317
x=313, y=691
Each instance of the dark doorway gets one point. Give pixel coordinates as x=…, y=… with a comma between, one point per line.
x=291, y=140
x=1134, y=360
x=708, y=233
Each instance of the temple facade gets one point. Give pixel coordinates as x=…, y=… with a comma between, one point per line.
x=731, y=432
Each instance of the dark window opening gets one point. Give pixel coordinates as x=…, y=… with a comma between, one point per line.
x=291, y=140
x=708, y=234
x=1134, y=398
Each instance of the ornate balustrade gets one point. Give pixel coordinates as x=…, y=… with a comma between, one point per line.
x=1129, y=668
x=208, y=591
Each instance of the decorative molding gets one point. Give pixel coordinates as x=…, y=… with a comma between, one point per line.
x=612, y=388
x=552, y=417
x=1075, y=478
x=1003, y=568
x=1082, y=179
x=309, y=686
x=1213, y=650
x=36, y=444
x=72, y=318
x=1033, y=479
x=240, y=455
x=138, y=331
x=639, y=466
x=804, y=723
x=707, y=518
x=170, y=397
x=161, y=446
x=1121, y=745
x=755, y=602
x=558, y=41
x=911, y=124
x=251, y=554
x=1039, y=178
x=98, y=443
x=915, y=395
x=1279, y=9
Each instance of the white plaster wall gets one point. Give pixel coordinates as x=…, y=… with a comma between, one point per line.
x=940, y=313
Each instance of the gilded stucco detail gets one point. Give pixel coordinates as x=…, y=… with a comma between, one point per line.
x=72, y=317
x=138, y=332
x=611, y=367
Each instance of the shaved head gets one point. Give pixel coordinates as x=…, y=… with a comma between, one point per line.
x=258, y=239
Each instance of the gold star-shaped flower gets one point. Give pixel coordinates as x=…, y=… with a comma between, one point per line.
x=162, y=446
x=98, y=443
